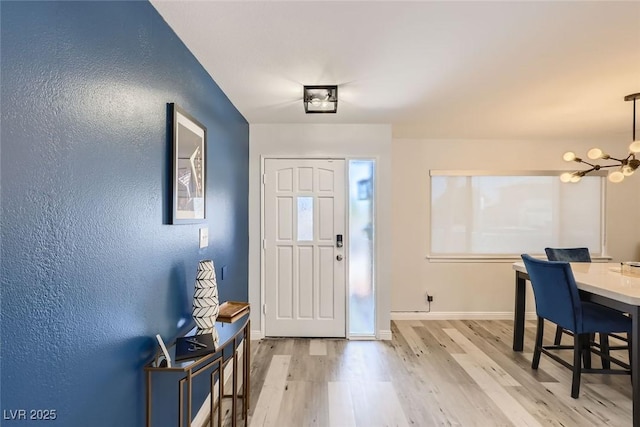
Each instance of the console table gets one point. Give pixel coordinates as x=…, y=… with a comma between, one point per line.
x=231, y=335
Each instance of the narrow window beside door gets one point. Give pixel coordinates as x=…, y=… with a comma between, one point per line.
x=361, y=246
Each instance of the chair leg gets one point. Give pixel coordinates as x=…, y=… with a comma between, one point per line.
x=586, y=349
x=578, y=345
x=629, y=343
x=558, y=339
x=538, y=345
x=604, y=348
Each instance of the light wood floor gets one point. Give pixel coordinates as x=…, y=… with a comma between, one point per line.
x=432, y=373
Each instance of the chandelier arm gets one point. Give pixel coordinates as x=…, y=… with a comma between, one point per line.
x=620, y=160
x=610, y=166
x=583, y=173
x=627, y=165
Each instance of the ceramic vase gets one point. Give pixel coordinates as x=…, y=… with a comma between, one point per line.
x=205, y=297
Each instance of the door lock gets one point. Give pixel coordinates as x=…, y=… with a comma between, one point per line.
x=339, y=243
x=339, y=257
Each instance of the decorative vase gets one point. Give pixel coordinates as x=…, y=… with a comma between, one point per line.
x=205, y=297
x=213, y=333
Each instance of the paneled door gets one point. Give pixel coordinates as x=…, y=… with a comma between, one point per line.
x=304, y=248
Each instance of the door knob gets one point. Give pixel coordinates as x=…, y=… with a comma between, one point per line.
x=339, y=257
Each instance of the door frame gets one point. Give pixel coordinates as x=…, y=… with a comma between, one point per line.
x=347, y=213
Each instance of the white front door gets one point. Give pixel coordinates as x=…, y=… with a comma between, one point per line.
x=304, y=267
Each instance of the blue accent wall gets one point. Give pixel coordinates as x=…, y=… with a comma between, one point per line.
x=91, y=267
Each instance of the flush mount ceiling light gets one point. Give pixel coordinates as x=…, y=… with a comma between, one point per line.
x=320, y=99
x=627, y=166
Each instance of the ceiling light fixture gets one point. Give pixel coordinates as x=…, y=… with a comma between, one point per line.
x=320, y=99
x=627, y=166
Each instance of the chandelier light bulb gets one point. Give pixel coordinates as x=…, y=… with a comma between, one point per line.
x=616, y=177
x=566, y=177
x=635, y=146
x=575, y=178
x=569, y=156
x=627, y=170
x=595, y=153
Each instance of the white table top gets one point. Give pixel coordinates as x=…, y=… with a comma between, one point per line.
x=605, y=279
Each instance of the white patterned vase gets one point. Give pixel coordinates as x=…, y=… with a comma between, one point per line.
x=213, y=332
x=205, y=297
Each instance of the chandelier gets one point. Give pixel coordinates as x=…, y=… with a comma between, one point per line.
x=625, y=167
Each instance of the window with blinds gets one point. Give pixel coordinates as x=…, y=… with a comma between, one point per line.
x=485, y=213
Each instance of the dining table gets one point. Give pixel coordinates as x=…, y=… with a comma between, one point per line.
x=613, y=285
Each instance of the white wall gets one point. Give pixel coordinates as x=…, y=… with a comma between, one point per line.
x=338, y=141
x=482, y=289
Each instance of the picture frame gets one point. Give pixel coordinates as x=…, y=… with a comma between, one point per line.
x=167, y=358
x=189, y=140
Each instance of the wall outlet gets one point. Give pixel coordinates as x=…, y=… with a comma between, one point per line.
x=204, y=237
x=429, y=298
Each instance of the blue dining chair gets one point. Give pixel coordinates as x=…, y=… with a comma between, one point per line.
x=581, y=255
x=568, y=255
x=558, y=301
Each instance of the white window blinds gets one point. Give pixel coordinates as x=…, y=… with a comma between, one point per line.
x=523, y=212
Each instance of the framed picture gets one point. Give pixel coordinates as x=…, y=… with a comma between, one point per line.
x=189, y=147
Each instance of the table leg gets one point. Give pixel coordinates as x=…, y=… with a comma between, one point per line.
x=246, y=372
x=148, y=398
x=635, y=364
x=234, y=382
x=518, y=320
x=189, y=398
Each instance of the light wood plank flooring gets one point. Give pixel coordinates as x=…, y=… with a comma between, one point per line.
x=432, y=373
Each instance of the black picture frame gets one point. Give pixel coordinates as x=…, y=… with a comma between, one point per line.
x=189, y=141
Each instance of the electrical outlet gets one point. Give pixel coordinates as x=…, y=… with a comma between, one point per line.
x=204, y=237
x=427, y=297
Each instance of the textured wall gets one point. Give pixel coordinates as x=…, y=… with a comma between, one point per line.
x=90, y=267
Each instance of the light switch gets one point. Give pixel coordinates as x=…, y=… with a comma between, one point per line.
x=204, y=237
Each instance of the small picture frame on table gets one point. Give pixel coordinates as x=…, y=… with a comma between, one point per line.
x=167, y=359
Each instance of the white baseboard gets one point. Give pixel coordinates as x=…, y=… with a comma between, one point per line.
x=202, y=416
x=384, y=334
x=362, y=338
x=457, y=315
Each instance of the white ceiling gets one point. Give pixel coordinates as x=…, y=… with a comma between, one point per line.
x=446, y=69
